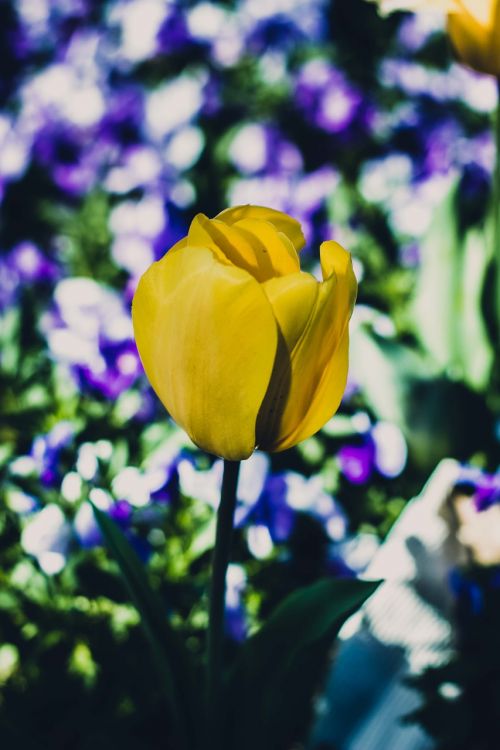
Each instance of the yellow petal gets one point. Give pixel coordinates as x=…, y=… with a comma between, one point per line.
x=200, y=236
x=283, y=223
x=481, y=10
x=275, y=254
x=475, y=35
x=242, y=248
x=293, y=299
x=313, y=386
x=207, y=338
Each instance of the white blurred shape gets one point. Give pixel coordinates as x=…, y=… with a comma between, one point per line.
x=101, y=498
x=48, y=532
x=70, y=347
x=336, y=528
x=391, y=451
x=33, y=12
x=380, y=178
x=51, y=562
x=84, y=106
x=84, y=522
x=145, y=217
x=259, y=541
x=235, y=582
x=206, y=21
x=140, y=21
x=14, y=150
x=185, y=147
x=132, y=253
x=253, y=473
x=450, y=691
x=358, y=552
x=86, y=463
x=130, y=484
x=173, y=104
x=23, y=466
x=104, y=449
x=201, y=485
x=71, y=486
x=248, y=149
x=361, y=421
x=306, y=494
x=183, y=194
x=20, y=502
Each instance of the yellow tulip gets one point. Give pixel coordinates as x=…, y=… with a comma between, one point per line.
x=473, y=27
x=474, y=30
x=242, y=347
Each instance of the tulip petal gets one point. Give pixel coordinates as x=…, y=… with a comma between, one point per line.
x=474, y=31
x=318, y=358
x=293, y=299
x=207, y=338
x=283, y=223
x=275, y=254
x=228, y=245
x=264, y=255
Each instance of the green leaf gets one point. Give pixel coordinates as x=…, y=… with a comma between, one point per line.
x=271, y=686
x=175, y=670
x=446, y=308
x=385, y=370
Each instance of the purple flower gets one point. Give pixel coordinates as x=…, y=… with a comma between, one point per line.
x=380, y=447
x=326, y=98
x=46, y=451
x=121, y=512
x=122, y=121
x=85, y=527
x=72, y=156
x=278, y=32
x=235, y=621
x=258, y=147
x=30, y=264
x=173, y=34
x=46, y=536
x=357, y=462
x=91, y=331
x=273, y=510
x=121, y=370
x=485, y=487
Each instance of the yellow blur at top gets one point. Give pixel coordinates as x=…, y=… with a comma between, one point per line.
x=242, y=347
x=474, y=30
x=473, y=27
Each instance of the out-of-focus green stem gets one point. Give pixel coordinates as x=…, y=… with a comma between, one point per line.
x=215, y=639
x=496, y=218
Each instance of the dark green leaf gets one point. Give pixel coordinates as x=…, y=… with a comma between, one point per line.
x=171, y=659
x=272, y=684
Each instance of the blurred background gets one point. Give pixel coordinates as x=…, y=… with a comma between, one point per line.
x=119, y=121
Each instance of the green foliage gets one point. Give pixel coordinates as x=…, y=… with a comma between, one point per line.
x=278, y=671
x=171, y=659
x=447, y=306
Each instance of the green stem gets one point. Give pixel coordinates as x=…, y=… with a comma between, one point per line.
x=215, y=640
x=496, y=216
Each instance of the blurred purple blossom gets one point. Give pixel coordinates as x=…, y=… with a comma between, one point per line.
x=485, y=487
x=90, y=330
x=46, y=451
x=381, y=447
x=327, y=99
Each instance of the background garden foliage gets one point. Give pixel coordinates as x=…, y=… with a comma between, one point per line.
x=119, y=121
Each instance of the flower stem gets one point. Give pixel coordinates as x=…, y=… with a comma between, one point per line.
x=215, y=640
x=496, y=215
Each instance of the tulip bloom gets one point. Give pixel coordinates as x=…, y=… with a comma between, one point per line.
x=473, y=27
x=474, y=30
x=242, y=347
